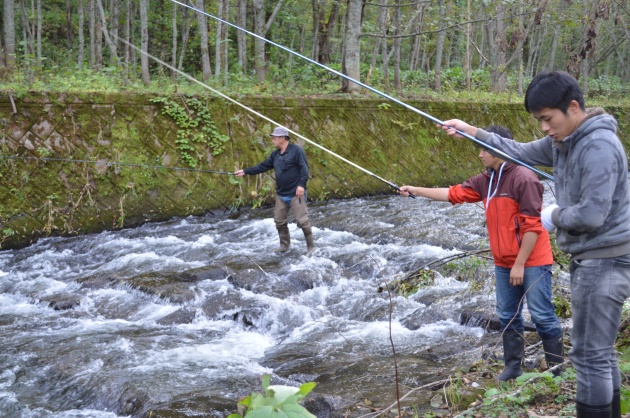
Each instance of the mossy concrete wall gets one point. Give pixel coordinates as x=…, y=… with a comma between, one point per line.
x=42, y=198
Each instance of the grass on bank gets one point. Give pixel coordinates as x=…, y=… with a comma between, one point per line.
x=532, y=394
x=308, y=81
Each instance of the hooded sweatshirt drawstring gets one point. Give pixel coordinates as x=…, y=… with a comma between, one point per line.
x=490, y=192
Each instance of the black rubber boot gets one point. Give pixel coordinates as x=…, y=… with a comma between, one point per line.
x=616, y=404
x=285, y=240
x=583, y=410
x=513, y=346
x=554, y=352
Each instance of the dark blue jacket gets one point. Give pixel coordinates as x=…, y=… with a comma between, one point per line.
x=291, y=169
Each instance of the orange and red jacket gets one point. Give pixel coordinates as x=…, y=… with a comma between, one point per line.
x=512, y=211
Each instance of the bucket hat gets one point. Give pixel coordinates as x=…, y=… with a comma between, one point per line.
x=280, y=131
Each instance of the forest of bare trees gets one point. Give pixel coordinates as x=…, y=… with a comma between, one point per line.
x=392, y=43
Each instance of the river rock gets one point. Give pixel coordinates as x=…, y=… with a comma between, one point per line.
x=171, y=286
x=180, y=316
x=62, y=301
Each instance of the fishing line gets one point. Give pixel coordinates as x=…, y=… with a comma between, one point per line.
x=112, y=163
x=389, y=183
x=496, y=151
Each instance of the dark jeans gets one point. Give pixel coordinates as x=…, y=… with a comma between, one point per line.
x=537, y=289
x=599, y=288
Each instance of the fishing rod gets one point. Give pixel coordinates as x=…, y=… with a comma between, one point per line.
x=111, y=163
x=496, y=151
x=183, y=74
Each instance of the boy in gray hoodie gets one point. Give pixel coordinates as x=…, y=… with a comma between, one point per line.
x=592, y=217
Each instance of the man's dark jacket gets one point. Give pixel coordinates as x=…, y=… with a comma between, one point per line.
x=291, y=169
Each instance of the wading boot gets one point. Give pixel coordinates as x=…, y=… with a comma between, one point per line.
x=310, y=246
x=285, y=240
x=583, y=410
x=554, y=352
x=513, y=347
x=616, y=403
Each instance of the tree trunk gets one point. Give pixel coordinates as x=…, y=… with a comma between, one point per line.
x=241, y=37
x=113, y=31
x=397, y=31
x=218, y=40
x=92, y=31
x=225, y=41
x=439, y=50
x=131, y=10
x=81, y=46
x=144, y=41
x=384, y=49
x=99, y=39
x=315, y=6
x=68, y=30
x=521, y=29
x=352, y=53
x=259, y=27
x=499, y=72
x=3, y=64
x=185, y=37
x=174, y=45
x=39, y=33
x=29, y=31
x=326, y=30
x=467, y=58
x=9, y=33
x=109, y=37
x=551, y=64
x=127, y=36
x=302, y=39
x=203, y=38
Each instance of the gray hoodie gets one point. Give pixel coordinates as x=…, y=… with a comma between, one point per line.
x=590, y=171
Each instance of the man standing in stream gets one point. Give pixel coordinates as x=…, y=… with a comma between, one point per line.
x=291, y=168
x=592, y=217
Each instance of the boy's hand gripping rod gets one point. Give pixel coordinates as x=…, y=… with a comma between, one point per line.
x=495, y=151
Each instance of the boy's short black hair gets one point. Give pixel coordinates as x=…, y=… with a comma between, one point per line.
x=500, y=130
x=553, y=90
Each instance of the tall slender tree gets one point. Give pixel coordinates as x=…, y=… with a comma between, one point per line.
x=9, y=33
x=174, y=42
x=202, y=24
x=114, y=12
x=81, y=35
x=144, y=42
x=439, y=49
x=241, y=37
x=351, y=63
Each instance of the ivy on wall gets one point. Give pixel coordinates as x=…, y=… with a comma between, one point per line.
x=195, y=125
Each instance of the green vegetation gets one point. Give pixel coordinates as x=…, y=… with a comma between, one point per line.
x=195, y=125
x=276, y=402
x=609, y=92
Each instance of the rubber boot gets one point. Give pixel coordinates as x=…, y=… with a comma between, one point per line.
x=285, y=240
x=615, y=406
x=554, y=353
x=513, y=347
x=583, y=410
x=310, y=245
